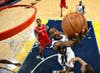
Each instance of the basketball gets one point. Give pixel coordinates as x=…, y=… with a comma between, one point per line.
x=74, y=23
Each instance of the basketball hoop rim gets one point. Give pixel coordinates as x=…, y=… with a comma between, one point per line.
x=15, y=30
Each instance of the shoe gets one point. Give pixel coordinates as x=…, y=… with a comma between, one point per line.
x=39, y=57
x=42, y=58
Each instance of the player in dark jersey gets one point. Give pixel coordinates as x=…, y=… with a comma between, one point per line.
x=62, y=45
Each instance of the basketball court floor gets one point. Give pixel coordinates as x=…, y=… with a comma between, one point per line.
x=22, y=50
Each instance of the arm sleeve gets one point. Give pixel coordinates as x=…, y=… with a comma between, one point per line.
x=70, y=54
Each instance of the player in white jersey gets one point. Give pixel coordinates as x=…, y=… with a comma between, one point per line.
x=80, y=8
x=62, y=45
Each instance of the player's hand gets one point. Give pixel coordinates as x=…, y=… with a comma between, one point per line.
x=77, y=40
x=76, y=34
x=66, y=7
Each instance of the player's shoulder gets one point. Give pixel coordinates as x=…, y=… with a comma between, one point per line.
x=42, y=25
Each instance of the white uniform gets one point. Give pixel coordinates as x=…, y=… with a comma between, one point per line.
x=80, y=9
x=69, y=52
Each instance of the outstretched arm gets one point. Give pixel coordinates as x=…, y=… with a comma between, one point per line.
x=60, y=44
x=78, y=59
x=68, y=43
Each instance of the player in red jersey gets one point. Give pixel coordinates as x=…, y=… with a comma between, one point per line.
x=63, y=5
x=42, y=36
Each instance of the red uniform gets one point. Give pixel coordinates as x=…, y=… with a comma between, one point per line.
x=42, y=37
x=62, y=3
